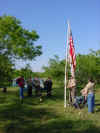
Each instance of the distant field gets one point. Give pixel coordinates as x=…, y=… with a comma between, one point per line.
x=47, y=116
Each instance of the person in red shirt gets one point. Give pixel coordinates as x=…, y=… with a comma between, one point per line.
x=21, y=82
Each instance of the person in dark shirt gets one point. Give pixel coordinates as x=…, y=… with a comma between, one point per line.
x=29, y=86
x=48, y=86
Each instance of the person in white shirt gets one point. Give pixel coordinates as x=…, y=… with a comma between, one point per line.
x=88, y=92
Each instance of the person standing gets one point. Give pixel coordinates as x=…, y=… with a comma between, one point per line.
x=29, y=86
x=72, y=89
x=36, y=84
x=88, y=92
x=21, y=82
x=48, y=86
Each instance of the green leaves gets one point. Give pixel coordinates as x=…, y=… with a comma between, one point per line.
x=87, y=66
x=6, y=71
x=55, y=69
x=16, y=41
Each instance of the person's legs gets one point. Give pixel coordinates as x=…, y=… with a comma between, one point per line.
x=48, y=92
x=21, y=94
x=93, y=102
x=4, y=89
x=73, y=94
x=70, y=97
x=90, y=102
x=76, y=102
x=29, y=91
x=36, y=91
x=39, y=93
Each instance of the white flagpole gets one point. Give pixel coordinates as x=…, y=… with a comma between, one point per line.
x=66, y=71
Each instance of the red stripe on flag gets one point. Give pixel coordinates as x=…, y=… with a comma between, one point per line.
x=72, y=52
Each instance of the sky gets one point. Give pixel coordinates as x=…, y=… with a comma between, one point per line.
x=49, y=19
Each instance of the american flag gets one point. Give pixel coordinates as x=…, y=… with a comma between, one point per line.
x=72, y=56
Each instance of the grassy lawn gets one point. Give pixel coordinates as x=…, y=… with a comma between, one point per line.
x=47, y=116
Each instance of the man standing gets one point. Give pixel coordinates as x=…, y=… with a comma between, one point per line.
x=21, y=82
x=36, y=83
x=88, y=92
x=29, y=86
x=48, y=86
x=72, y=89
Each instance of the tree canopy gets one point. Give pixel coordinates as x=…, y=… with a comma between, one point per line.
x=16, y=41
x=55, y=68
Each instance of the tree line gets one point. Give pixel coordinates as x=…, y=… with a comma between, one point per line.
x=17, y=43
x=87, y=66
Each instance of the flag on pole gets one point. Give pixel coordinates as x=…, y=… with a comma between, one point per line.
x=70, y=58
x=71, y=52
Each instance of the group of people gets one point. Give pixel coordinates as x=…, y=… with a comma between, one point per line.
x=87, y=94
x=36, y=85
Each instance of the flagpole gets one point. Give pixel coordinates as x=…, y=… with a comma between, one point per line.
x=66, y=71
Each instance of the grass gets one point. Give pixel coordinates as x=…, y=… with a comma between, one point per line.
x=48, y=116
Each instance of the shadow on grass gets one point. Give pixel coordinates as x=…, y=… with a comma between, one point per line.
x=67, y=126
x=97, y=104
x=42, y=121
x=58, y=93
x=17, y=118
x=29, y=118
x=2, y=99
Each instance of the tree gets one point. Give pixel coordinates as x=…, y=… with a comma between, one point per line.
x=88, y=66
x=6, y=71
x=55, y=69
x=26, y=72
x=16, y=42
